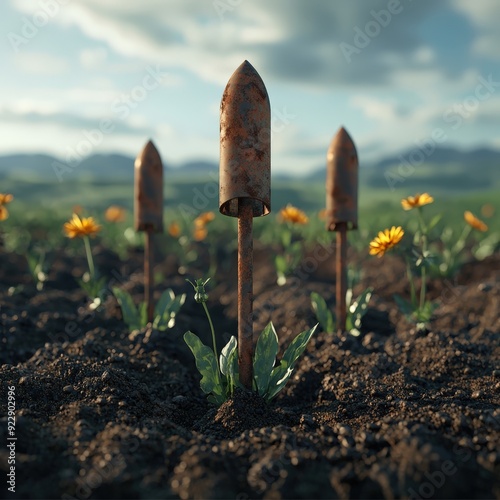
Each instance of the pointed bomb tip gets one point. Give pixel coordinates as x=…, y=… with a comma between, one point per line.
x=150, y=146
x=341, y=139
x=244, y=74
x=149, y=154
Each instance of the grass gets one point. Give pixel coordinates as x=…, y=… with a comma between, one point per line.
x=46, y=204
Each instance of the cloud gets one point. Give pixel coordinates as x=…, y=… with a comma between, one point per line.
x=292, y=40
x=71, y=121
x=41, y=63
x=484, y=15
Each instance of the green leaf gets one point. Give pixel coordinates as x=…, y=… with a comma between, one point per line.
x=280, y=264
x=129, y=312
x=403, y=305
x=324, y=316
x=225, y=355
x=358, y=308
x=233, y=369
x=434, y=221
x=282, y=373
x=265, y=357
x=279, y=378
x=167, y=308
x=206, y=364
x=164, y=303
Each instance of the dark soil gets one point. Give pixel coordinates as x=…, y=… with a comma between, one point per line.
x=102, y=412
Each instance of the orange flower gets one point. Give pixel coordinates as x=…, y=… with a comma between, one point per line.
x=79, y=227
x=386, y=240
x=204, y=218
x=322, y=214
x=114, y=213
x=419, y=200
x=174, y=230
x=488, y=210
x=200, y=233
x=4, y=213
x=5, y=198
x=474, y=222
x=293, y=214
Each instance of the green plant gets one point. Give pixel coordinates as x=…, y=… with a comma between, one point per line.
x=448, y=261
x=38, y=267
x=356, y=309
x=220, y=375
x=291, y=241
x=164, y=314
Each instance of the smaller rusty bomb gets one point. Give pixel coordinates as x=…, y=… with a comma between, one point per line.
x=341, y=182
x=341, y=209
x=148, y=211
x=148, y=190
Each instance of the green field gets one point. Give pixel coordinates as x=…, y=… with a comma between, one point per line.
x=39, y=199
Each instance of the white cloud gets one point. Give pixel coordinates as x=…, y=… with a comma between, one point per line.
x=485, y=15
x=41, y=63
x=93, y=58
x=375, y=109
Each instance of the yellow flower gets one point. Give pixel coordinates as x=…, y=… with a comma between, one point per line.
x=204, y=218
x=200, y=233
x=385, y=240
x=79, y=227
x=419, y=200
x=474, y=222
x=174, y=230
x=5, y=198
x=293, y=214
x=114, y=213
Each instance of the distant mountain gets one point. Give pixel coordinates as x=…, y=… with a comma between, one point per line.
x=445, y=167
x=197, y=166
x=105, y=166
x=442, y=156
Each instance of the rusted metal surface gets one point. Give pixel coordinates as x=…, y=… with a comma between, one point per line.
x=148, y=190
x=245, y=291
x=341, y=276
x=341, y=182
x=245, y=143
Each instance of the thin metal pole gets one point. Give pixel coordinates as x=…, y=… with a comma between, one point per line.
x=148, y=275
x=245, y=292
x=341, y=272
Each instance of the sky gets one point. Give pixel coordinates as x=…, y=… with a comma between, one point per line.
x=91, y=76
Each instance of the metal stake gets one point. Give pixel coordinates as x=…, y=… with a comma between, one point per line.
x=245, y=291
x=341, y=273
x=148, y=274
